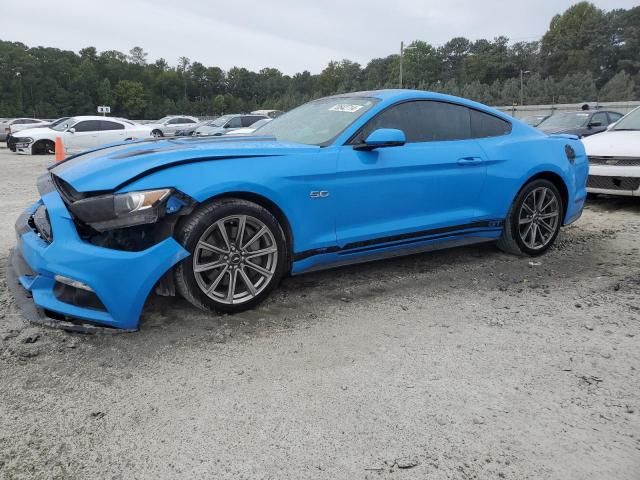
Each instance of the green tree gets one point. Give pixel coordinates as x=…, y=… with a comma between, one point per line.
x=129, y=97
x=620, y=87
x=577, y=41
x=138, y=56
x=105, y=95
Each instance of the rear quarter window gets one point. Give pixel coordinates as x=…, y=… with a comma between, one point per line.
x=484, y=125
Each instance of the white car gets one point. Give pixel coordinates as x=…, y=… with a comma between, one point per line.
x=614, y=158
x=16, y=124
x=168, y=126
x=249, y=130
x=79, y=134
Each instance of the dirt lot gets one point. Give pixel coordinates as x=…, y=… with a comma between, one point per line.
x=467, y=364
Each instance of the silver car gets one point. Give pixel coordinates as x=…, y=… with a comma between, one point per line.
x=227, y=123
x=168, y=126
x=19, y=124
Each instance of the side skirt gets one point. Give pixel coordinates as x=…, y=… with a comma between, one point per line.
x=336, y=260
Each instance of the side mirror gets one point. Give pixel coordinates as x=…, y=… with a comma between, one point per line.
x=381, y=138
x=71, y=130
x=595, y=124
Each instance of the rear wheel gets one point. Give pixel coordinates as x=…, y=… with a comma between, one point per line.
x=157, y=134
x=238, y=255
x=534, y=220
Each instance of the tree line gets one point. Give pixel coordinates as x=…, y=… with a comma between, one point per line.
x=587, y=54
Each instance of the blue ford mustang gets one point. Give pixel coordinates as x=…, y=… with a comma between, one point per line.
x=340, y=180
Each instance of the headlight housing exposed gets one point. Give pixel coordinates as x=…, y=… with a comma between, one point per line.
x=106, y=212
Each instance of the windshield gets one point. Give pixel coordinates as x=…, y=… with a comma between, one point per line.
x=318, y=122
x=565, y=120
x=631, y=121
x=220, y=121
x=163, y=119
x=62, y=126
x=58, y=122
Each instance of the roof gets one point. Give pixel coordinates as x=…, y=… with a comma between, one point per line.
x=390, y=96
x=97, y=117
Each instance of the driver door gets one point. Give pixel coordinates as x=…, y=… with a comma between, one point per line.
x=430, y=184
x=85, y=136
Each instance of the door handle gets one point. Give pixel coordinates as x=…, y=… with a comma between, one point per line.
x=470, y=161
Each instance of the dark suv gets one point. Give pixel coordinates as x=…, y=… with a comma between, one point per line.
x=582, y=123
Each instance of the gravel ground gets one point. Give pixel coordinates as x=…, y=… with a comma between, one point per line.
x=462, y=364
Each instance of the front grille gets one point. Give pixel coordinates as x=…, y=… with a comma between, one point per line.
x=615, y=161
x=39, y=221
x=613, y=183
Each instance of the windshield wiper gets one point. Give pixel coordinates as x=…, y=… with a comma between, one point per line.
x=625, y=129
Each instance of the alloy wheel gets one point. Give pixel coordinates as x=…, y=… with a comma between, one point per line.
x=538, y=218
x=235, y=259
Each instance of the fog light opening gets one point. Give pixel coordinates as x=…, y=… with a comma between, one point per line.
x=72, y=283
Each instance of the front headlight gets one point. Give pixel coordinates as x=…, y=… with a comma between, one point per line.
x=106, y=212
x=24, y=140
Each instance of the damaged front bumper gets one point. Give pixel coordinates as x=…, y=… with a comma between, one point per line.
x=76, y=285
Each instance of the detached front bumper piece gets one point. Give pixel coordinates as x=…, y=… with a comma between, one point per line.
x=78, y=286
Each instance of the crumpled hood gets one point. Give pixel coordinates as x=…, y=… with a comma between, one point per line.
x=613, y=144
x=110, y=167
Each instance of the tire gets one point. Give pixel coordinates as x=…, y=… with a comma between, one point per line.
x=204, y=278
x=157, y=133
x=524, y=222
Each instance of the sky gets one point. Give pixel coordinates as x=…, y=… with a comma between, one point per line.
x=291, y=35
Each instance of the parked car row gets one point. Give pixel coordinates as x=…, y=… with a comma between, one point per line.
x=9, y=125
x=37, y=137
x=77, y=134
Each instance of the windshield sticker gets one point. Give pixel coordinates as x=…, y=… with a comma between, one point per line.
x=345, y=107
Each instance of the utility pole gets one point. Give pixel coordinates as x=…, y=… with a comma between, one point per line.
x=402, y=49
x=401, y=57
x=522, y=74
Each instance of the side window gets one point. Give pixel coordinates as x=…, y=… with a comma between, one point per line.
x=18, y=122
x=107, y=125
x=484, y=125
x=87, y=126
x=422, y=121
x=187, y=120
x=235, y=122
x=614, y=117
x=599, y=119
x=30, y=120
x=173, y=121
x=249, y=120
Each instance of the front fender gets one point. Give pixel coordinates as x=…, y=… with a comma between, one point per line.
x=285, y=181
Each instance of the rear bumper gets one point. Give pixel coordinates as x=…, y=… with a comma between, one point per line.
x=120, y=280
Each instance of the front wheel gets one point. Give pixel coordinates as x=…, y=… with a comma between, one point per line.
x=157, y=134
x=238, y=255
x=534, y=220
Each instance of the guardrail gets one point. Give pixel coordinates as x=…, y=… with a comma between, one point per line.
x=520, y=111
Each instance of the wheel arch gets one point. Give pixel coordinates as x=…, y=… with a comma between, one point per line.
x=266, y=203
x=557, y=181
x=41, y=142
